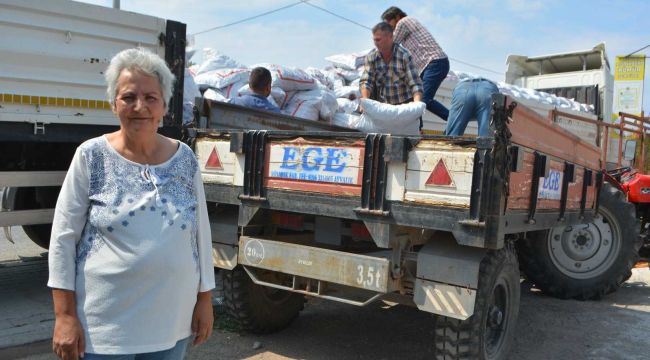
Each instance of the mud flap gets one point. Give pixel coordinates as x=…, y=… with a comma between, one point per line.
x=225, y=238
x=447, y=277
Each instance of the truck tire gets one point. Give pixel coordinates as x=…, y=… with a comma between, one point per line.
x=27, y=198
x=259, y=309
x=585, y=261
x=489, y=332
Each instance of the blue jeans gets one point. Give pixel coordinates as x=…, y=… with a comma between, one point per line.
x=471, y=99
x=432, y=76
x=175, y=353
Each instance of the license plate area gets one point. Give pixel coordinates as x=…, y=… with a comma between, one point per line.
x=354, y=270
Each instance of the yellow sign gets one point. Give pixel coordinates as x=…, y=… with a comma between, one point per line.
x=629, y=68
x=629, y=73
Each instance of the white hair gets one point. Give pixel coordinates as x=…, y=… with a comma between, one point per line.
x=143, y=60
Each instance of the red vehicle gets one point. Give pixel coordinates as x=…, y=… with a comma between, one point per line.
x=634, y=181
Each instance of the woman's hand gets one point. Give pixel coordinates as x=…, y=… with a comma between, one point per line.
x=68, y=340
x=203, y=318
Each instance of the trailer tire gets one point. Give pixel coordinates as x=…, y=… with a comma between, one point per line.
x=585, y=262
x=27, y=198
x=489, y=332
x=259, y=309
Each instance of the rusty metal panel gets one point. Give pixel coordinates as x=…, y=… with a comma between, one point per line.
x=520, y=187
x=359, y=271
x=313, y=165
x=535, y=132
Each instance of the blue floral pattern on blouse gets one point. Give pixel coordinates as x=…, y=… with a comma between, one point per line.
x=121, y=191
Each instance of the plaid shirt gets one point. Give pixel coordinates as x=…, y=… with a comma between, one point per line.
x=393, y=83
x=418, y=41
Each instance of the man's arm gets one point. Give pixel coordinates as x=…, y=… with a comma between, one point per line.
x=367, y=80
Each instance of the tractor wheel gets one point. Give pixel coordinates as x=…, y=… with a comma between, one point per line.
x=259, y=309
x=585, y=261
x=489, y=332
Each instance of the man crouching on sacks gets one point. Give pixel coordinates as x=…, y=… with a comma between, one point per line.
x=389, y=74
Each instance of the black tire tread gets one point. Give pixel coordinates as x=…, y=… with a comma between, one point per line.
x=239, y=290
x=461, y=339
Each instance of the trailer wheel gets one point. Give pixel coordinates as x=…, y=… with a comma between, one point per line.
x=489, y=332
x=259, y=309
x=27, y=198
x=585, y=261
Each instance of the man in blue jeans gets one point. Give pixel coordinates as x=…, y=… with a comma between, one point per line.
x=471, y=99
x=431, y=62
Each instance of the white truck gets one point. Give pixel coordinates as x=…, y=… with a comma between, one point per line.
x=53, y=95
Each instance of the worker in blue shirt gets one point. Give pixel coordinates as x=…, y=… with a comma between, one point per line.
x=260, y=84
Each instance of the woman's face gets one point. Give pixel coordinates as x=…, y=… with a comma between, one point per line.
x=138, y=103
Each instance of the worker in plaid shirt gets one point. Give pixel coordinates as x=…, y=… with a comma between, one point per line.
x=431, y=62
x=389, y=74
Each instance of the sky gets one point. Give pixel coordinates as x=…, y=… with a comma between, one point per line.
x=478, y=32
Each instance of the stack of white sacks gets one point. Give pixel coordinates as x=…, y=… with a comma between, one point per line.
x=330, y=94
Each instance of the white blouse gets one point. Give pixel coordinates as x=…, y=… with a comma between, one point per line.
x=133, y=241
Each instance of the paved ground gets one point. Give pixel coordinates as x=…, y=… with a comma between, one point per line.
x=616, y=327
x=25, y=307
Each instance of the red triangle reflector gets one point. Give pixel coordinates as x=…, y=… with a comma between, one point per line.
x=439, y=176
x=214, y=162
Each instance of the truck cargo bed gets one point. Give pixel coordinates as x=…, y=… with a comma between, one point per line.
x=532, y=176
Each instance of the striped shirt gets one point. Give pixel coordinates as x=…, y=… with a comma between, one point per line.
x=418, y=41
x=393, y=83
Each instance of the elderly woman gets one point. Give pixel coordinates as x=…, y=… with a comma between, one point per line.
x=130, y=257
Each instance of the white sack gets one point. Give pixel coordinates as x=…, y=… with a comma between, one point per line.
x=327, y=104
x=348, y=92
x=348, y=75
x=303, y=108
x=347, y=106
x=190, y=92
x=346, y=120
x=214, y=95
x=232, y=90
x=393, y=119
x=289, y=78
x=214, y=60
x=348, y=61
x=280, y=96
x=221, y=78
x=324, y=78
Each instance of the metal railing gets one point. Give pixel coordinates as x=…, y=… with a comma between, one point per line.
x=629, y=123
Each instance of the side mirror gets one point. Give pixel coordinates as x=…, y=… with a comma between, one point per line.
x=630, y=150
